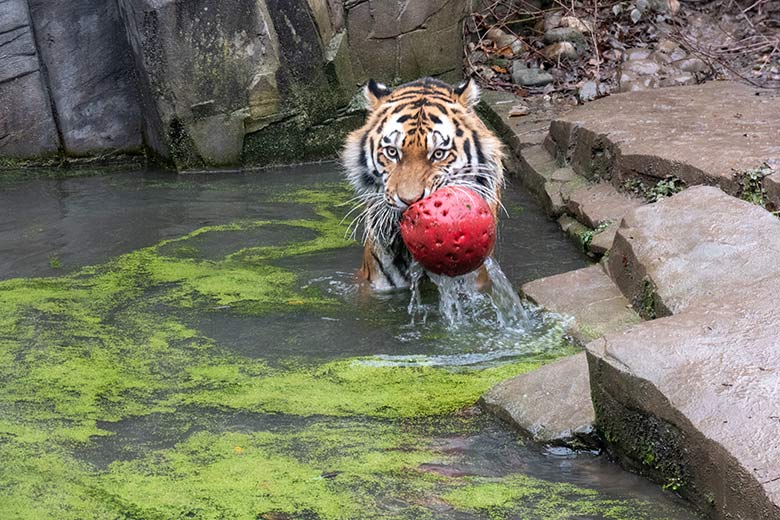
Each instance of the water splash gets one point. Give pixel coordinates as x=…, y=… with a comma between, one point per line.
x=463, y=302
x=448, y=322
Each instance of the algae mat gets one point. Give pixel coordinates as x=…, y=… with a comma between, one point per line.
x=233, y=371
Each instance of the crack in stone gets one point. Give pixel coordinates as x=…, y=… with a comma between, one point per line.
x=396, y=36
x=8, y=42
x=422, y=26
x=6, y=31
x=18, y=76
x=349, y=5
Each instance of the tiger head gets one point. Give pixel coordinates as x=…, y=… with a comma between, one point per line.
x=416, y=139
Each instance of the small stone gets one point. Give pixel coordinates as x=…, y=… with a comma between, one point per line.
x=630, y=83
x=519, y=110
x=521, y=75
x=678, y=54
x=660, y=57
x=559, y=51
x=665, y=6
x=505, y=41
x=678, y=79
x=642, y=67
x=477, y=57
x=637, y=54
x=691, y=64
x=636, y=15
x=667, y=46
x=495, y=34
x=588, y=91
x=564, y=34
x=575, y=23
x=552, y=20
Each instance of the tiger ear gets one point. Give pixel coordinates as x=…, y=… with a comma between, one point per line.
x=468, y=93
x=374, y=93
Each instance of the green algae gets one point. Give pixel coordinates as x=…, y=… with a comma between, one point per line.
x=331, y=471
x=520, y=496
x=348, y=388
x=42, y=481
x=83, y=353
x=92, y=346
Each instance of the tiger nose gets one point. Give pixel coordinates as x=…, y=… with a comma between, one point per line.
x=409, y=198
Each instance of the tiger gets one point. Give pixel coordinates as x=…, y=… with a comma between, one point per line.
x=416, y=139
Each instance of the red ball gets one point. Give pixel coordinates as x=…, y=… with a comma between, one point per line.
x=451, y=232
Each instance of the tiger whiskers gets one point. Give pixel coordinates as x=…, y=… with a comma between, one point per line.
x=381, y=224
x=365, y=203
x=380, y=221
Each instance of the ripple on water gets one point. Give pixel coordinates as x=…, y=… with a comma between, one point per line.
x=449, y=322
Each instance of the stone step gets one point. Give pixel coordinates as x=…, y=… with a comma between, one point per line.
x=600, y=204
x=516, y=132
x=552, y=404
x=693, y=401
x=698, y=246
x=549, y=182
x=537, y=166
x=700, y=134
x=587, y=295
x=603, y=239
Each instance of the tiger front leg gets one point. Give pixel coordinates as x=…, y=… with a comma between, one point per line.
x=386, y=268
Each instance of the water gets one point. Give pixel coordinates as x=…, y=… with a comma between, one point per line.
x=197, y=347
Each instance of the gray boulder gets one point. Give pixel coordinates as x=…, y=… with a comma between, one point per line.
x=89, y=68
x=205, y=67
x=27, y=127
x=566, y=34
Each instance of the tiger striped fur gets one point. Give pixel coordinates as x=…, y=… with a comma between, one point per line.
x=416, y=139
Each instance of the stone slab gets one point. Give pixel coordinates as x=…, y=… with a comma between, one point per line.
x=599, y=204
x=27, y=126
x=772, y=188
x=551, y=404
x=536, y=169
x=693, y=401
x=519, y=132
x=701, y=134
x=697, y=246
x=90, y=73
x=602, y=241
x=589, y=296
x=392, y=40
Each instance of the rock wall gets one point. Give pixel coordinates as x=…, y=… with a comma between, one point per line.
x=27, y=125
x=204, y=83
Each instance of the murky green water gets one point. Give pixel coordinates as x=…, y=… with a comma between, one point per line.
x=196, y=347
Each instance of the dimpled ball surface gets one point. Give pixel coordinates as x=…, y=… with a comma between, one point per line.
x=451, y=232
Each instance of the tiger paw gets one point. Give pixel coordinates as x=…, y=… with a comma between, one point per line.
x=451, y=232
